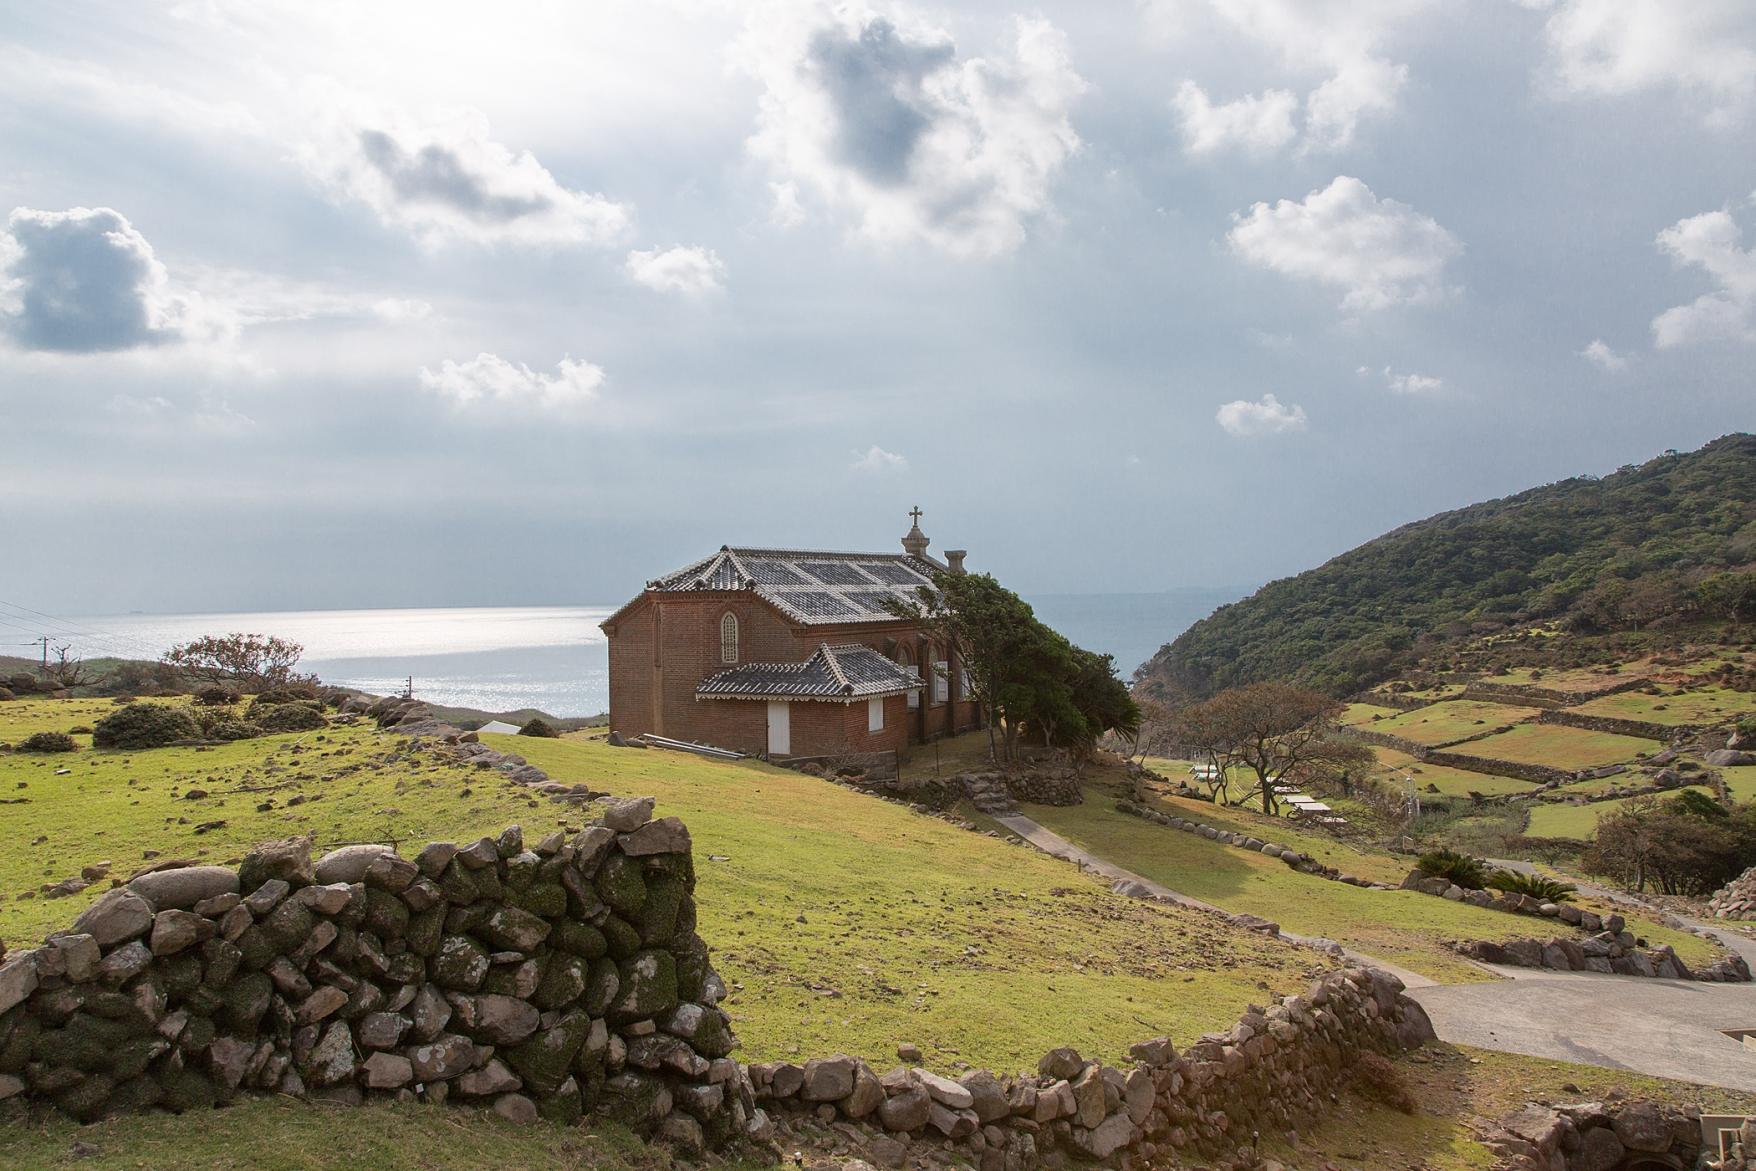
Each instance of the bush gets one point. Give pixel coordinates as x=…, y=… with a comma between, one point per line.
x=1463, y=870
x=1379, y=1079
x=47, y=742
x=232, y=728
x=145, y=725
x=298, y=692
x=216, y=696
x=537, y=726
x=262, y=705
x=289, y=717
x=1536, y=886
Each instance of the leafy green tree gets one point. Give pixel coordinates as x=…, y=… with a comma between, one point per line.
x=256, y=660
x=1271, y=729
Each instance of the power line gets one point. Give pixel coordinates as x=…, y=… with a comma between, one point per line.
x=65, y=629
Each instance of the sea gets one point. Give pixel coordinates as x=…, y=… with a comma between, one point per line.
x=551, y=658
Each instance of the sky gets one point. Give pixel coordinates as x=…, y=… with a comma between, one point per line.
x=322, y=304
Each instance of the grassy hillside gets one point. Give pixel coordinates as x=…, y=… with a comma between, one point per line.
x=842, y=923
x=1596, y=554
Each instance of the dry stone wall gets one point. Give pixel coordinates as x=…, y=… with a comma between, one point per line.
x=1276, y=1069
x=1598, y=1136
x=1642, y=729
x=552, y=980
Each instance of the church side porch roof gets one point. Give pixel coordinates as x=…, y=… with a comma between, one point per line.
x=846, y=673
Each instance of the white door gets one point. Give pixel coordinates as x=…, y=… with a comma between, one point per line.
x=780, y=729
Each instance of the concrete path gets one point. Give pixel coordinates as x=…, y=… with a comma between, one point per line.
x=1664, y=1028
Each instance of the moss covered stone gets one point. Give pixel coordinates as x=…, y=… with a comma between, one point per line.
x=621, y=884
x=424, y=931
x=602, y=985
x=563, y=981
x=386, y=915
x=693, y=967
x=185, y=1090
x=246, y=1000
x=580, y=939
x=649, y=986
x=622, y=937
x=461, y=964
x=458, y=885
x=547, y=899
x=658, y=914
x=543, y=1061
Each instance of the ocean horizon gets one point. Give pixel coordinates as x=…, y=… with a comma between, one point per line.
x=553, y=658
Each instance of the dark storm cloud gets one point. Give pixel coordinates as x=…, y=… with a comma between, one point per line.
x=874, y=80
x=88, y=282
x=434, y=174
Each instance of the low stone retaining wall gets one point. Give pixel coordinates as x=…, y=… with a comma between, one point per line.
x=1531, y=695
x=1606, y=952
x=1598, y=1136
x=1388, y=740
x=1296, y=859
x=1736, y=899
x=1278, y=1068
x=1540, y=774
x=553, y=980
x=1644, y=729
x=873, y=768
x=1402, y=703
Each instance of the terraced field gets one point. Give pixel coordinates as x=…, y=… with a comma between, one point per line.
x=1705, y=705
x=1453, y=719
x=1399, y=767
x=1560, y=747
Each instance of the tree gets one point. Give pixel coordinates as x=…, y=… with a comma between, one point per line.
x=1269, y=728
x=65, y=671
x=1025, y=675
x=1676, y=847
x=256, y=660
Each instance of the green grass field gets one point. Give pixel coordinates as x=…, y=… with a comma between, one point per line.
x=1572, y=821
x=1396, y=767
x=842, y=923
x=1363, y=714
x=1559, y=747
x=1576, y=679
x=1454, y=719
x=1704, y=705
x=1741, y=781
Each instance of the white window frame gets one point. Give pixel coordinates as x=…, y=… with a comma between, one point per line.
x=875, y=714
x=728, y=637
x=941, y=681
x=914, y=695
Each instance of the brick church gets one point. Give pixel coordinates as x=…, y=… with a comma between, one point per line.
x=788, y=652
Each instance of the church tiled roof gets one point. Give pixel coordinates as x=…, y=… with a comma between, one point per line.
x=832, y=672
x=812, y=588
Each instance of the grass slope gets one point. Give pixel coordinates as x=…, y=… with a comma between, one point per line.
x=1559, y=747
x=1452, y=720
x=842, y=923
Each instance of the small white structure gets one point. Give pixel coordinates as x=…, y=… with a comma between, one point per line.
x=500, y=726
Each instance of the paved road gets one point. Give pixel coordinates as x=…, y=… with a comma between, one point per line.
x=1665, y=1028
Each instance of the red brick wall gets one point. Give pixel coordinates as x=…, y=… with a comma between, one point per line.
x=667, y=643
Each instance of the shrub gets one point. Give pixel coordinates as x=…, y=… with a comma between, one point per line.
x=1463, y=870
x=296, y=692
x=1536, y=886
x=231, y=728
x=537, y=726
x=145, y=725
x=1379, y=1079
x=262, y=705
x=289, y=717
x=216, y=696
x=47, y=742
x=79, y=730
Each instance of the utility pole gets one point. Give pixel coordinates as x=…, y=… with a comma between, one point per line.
x=408, y=691
x=44, y=640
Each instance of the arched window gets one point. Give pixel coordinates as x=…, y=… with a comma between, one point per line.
x=906, y=661
x=728, y=639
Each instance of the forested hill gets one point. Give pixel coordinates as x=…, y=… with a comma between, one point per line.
x=1671, y=539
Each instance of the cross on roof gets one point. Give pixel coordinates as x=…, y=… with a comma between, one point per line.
x=915, y=513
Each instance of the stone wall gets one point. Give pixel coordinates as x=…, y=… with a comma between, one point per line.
x=1389, y=740
x=1533, y=695
x=1644, y=729
x=554, y=979
x=1277, y=1069
x=1607, y=953
x=1540, y=774
x=1298, y=860
x=1598, y=1136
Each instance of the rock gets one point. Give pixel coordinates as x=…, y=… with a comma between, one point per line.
x=182, y=888
x=1641, y=1127
x=493, y=1078
x=648, y=988
x=1105, y=1139
x=828, y=1079
x=1063, y=1063
x=382, y=1030
x=388, y=1071
x=348, y=864
x=172, y=931
x=446, y=1057
x=80, y=956
x=988, y=1096
x=629, y=813
x=906, y=1111
x=1088, y=1095
x=1599, y=1150
x=668, y=835
x=1154, y=1054
x=18, y=979
x=321, y=1004
x=117, y=917
x=513, y=929
x=125, y=963
x=516, y=1108
x=328, y=899
x=909, y=1052
x=331, y=1061
x=944, y=1090
x=288, y=860
x=495, y=1020
x=1729, y=758
x=867, y=1094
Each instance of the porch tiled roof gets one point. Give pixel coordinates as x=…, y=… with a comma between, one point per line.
x=846, y=672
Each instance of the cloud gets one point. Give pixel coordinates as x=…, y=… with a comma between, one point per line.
x=1377, y=251
x=1266, y=416
x=86, y=281
x=690, y=271
x=1340, y=41
x=1599, y=354
x=1705, y=49
x=449, y=181
x=1709, y=241
x=491, y=382
x=881, y=120
x=1415, y=384
x=875, y=459
x=1257, y=124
